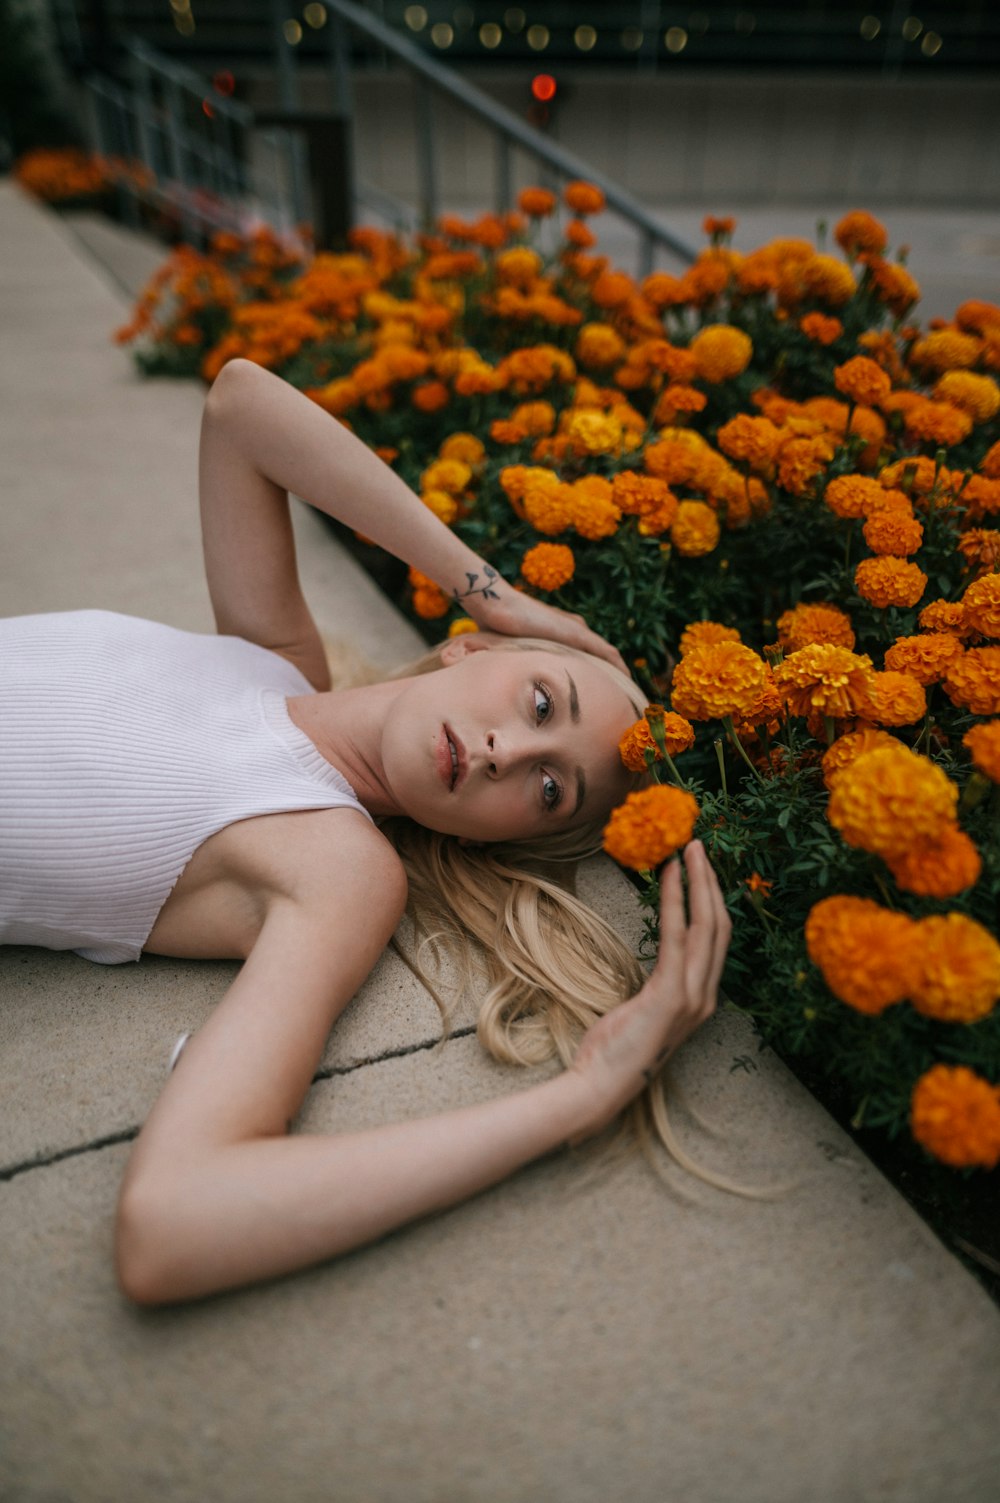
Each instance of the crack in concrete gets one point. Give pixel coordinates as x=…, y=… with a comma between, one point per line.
x=127, y=1134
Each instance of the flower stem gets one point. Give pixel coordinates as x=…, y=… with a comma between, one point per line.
x=727, y=721
x=720, y=757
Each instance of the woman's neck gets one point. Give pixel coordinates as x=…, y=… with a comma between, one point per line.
x=345, y=726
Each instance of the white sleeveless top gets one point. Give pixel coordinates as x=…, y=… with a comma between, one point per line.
x=123, y=746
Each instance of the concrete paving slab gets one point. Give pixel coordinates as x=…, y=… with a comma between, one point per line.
x=573, y=1335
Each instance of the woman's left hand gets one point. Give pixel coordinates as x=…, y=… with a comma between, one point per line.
x=519, y=615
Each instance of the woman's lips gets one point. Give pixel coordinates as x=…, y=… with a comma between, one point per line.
x=452, y=762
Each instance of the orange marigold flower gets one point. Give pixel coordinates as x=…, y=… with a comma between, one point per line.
x=464, y=447
x=892, y=284
x=957, y=976
x=978, y=316
x=430, y=396
x=861, y=949
x=705, y=634
x=827, y=680
x=713, y=224
x=461, y=626
x=536, y=202
x=662, y=290
x=754, y=440
x=592, y=511
x=650, y=826
x=893, y=532
x=826, y=279
x=983, y=742
x=721, y=352
x=937, y=423
x=860, y=231
x=801, y=460
x=980, y=546
x=638, y=739
x=945, y=616
x=897, y=698
x=889, y=799
x=441, y=504
x=579, y=235
x=429, y=601
x=955, y=1115
x=548, y=510
x=990, y=463
x=720, y=679
x=695, y=529
x=979, y=396
x=945, y=350
x=583, y=198
x=676, y=398
x=981, y=603
x=852, y=496
x=805, y=624
x=889, y=581
x=842, y=752
x=451, y=475
x=925, y=658
x=591, y=431
x=548, y=566
x=981, y=497
x=973, y=681
x=599, y=345
x=939, y=868
x=819, y=327
x=861, y=380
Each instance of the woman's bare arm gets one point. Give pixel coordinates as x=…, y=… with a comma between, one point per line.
x=260, y=440
x=217, y=1195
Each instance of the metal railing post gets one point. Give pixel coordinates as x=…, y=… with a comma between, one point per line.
x=426, y=159
x=504, y=190
x=178, y=154
x=288, y=99
x=339, y=42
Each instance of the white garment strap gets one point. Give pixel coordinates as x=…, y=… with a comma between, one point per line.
x=175, y=1052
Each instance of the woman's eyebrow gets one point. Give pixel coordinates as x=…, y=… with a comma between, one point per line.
x=574, y=704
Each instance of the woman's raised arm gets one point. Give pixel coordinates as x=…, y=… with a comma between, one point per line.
x=217, y=1195
x=261, y=438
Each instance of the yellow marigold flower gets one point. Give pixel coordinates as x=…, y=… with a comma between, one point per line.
x=594, y=432
x=937, y=423
x=955, y=1115
x=827, y=279
x=979, y=396
x=860, y=231
x=705, y=634
x=862, y=950
x=957, y=968
x=583, y=198
x=925, y=658
x=753, y=440
x=981, y=603
x=861, y=380
x=464, y=447
x=983, y=742
x=461, y=626
x=536, y=419
x=721, y=352
x=638, y=739
x=893, y=532
x=973, y=681
x=450, y=475
x=897, y=698
x=549, y=511
x=818, y=327
x=720, y=679
x=939, y=868
x=518, y=267
x=801, y=460
x=598, y=346
x=846, y=749
x=441, y=504
x=889, y=581
x=805, y=624
x=945, y=350
x=827, y=680
x=650, y=826
x=536, y=202
x=695, y=529
x=852, y=496
x=945, y=616
x=592, y=511
x=548, y=566
x=889, y=799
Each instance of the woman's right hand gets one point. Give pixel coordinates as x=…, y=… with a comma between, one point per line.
x=625, y=1049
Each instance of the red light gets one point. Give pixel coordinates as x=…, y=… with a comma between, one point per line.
x=207, y=109
x=543, y=87
x=224, y=82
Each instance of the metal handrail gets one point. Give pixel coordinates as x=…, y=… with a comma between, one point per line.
x=509, y=129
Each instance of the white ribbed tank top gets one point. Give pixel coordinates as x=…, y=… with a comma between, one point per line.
x=123, y=746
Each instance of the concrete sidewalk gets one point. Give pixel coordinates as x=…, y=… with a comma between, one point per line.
x=570, y=1336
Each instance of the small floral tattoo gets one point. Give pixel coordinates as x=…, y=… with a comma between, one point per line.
x=474, y=588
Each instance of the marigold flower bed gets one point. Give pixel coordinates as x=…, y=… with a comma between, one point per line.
x=766, y=469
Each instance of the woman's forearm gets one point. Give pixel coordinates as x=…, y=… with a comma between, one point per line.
x=257, y=1209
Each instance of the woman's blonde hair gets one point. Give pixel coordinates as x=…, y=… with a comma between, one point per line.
x=552, y=964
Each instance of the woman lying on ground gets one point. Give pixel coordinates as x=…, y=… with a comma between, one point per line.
x=211, y=797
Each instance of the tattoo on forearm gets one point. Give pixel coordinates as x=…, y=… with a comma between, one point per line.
x=474, y=588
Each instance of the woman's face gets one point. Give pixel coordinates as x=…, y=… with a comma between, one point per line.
x=507, y=744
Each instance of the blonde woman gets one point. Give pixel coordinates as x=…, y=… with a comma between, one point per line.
x=212, y=797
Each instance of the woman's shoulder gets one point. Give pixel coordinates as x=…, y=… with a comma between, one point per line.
x=317, y=856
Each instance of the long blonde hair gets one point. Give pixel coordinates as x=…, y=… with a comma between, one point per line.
x=552, y=964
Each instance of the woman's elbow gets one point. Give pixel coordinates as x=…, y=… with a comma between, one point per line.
x=145, y=1258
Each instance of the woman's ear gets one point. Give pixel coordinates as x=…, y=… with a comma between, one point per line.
x=457, y=648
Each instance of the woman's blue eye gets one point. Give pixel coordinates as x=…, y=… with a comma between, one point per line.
x=543, y=703
x=551, y=792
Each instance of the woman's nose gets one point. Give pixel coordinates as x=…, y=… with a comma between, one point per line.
x=504, y=752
